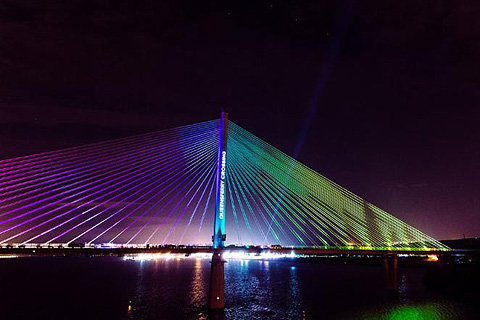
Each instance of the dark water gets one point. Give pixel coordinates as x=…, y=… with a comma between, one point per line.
x=104, y=287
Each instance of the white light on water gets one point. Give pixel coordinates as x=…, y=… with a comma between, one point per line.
x=264, y=255
x=165, y=256
x=227, y=255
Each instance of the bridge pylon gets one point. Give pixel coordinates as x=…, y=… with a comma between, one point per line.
x=216, y=299
x=219, y=235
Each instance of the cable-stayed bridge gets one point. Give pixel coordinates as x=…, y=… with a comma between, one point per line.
x=160, y=188
x=175, y=186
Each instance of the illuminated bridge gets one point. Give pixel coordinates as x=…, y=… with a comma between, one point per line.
x=177, y=185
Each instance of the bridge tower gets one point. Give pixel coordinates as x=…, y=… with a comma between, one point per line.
x=219, y=235
x=216, y=299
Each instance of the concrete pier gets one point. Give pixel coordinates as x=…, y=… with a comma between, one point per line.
x=390, y=271
x=216, y=296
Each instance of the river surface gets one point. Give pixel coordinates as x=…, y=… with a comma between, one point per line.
x=115, y=288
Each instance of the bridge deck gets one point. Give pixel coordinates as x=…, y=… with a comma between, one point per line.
x=187, y=250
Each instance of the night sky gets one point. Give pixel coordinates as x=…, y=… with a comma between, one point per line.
x=380, y=96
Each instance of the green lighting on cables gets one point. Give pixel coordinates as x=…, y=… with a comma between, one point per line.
x=298, y=206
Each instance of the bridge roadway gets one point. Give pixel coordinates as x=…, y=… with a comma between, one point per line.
x=44, y=251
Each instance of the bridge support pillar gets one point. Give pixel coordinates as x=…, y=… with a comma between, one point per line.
x=216, y=296
x=390, y=271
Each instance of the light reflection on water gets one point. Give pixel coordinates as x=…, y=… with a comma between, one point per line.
x=444, y=310
x=104, y=288
x=198, y=289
